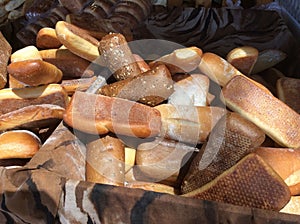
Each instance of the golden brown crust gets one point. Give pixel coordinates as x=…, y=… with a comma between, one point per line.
x=5, y=53
x=71, y=65
x=77, y=40
x=251, y=183
x=35, y=72
x=100, y=114
x=18, y=144
x=275, y=118
x=46, y=39
x=33, y=116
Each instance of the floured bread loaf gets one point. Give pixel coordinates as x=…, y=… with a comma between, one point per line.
x=274, y=117
x=251, y=183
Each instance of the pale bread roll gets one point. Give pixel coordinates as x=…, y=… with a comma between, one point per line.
x=275, y=118
x=130, y=154
x=25, y=53
x=189, y=124
x=293, y=207
x=20, y=144
x=286, y=162
x=192, y=90
x=243, y=58
x=106, y=161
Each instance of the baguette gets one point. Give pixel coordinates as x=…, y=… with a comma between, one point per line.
x=188, y=124
x=276, y=119
x=105, y=161
x=33, y=116
x=46, y=38
x=71, y=65
x=14, y=99
x=151, y=88
x=18, y=144
x=35, y=72
x=249, y=183
x=98, y=114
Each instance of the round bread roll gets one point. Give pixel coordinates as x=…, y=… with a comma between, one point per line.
x=18, y=144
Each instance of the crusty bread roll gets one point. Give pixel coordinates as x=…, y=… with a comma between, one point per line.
x=286, y=162
x=122, y=64
x=77, y=40
x=71, y=65
x=5, y=52
x=250, y=183
x=276, y=119
x=46, y=39
x=267, y=59
x=105, y=161
x=243, y=58
x=35, y=72
x=100, y=114
x=188, y=124
x=150, y=88
x=288, y=91
x=192, y=90
x=32, y=116
x=232, y=138
x=181, y=60
x=14, y=99
x=162, y=160
x=25, y=53
x=18, y=144
x=72, y=85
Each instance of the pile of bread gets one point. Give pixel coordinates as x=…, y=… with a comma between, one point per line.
x=189, y=123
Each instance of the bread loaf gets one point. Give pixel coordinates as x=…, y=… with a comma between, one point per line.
x=100, y=114
x=14, y=99
x=106, y=161
x=286, y=162
x=77, y=40
x=5, y=52
x=250, y=183
x=151, y=87
x=35, y=72
x=26, y=53
x=231, y=139
x=18, y=144
x=46, y=38
x=117, y=56
x=188, y=124
x=276, y=119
